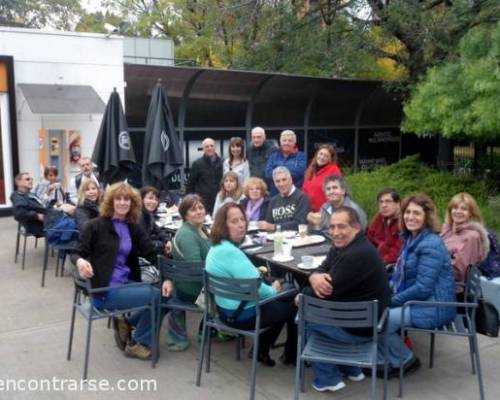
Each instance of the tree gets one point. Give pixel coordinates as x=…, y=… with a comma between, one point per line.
x=59, y=14
x=208, y=31
x=94, y=22
x=428, y=30
x=461, y=98
x=377, y=39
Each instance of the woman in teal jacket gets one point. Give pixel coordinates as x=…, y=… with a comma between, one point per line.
x=423, y=272
x=225, y=259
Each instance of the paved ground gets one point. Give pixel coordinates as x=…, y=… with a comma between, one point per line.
x=34, y=333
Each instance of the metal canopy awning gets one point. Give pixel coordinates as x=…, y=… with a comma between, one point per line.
x=203, y=97
x=62, y=99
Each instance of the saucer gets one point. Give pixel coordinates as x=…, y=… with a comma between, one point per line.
x=302, y=266
x=282, y=258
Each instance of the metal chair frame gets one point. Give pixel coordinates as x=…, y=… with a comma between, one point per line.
x=239, y=290
x=463, y=325
x=178, y=271
x=91, y=313
x=319, y=348
x=21, y=231
x=61, y=249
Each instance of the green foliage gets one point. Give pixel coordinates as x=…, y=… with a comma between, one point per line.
x=410, y=176
x=59, y=14
x=94, y=22
x=462, y=98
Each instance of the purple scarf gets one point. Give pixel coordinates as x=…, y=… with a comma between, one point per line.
x=253, y=211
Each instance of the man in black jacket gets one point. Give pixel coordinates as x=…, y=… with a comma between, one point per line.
x=206, y=174
x=28, y=208
x=259, y=151
x=352, y=271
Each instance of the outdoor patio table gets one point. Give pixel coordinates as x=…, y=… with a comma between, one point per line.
x=264, y=254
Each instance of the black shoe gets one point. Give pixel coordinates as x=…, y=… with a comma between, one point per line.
x=409, y=367
x=288, y=360
x=266, y=360
x=263, y=358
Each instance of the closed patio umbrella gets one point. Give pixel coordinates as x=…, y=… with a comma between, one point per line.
x=113, y=152
x=162, y=149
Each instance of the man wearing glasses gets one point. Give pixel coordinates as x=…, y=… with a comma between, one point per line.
x=383, y=232
x=28, y=208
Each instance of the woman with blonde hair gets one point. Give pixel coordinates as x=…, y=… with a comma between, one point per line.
x=256, y=199
x=464, y=235
x=230, y=191
x=108, y=255
x=88, y=203
x=322, y=165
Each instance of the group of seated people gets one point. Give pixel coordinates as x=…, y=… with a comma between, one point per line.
x=425, y=261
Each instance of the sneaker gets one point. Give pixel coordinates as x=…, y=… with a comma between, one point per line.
x=328, y=388
x=179, y=346
x=122, y=331
x=137, y=350
x=225, y=337
x=357, y=378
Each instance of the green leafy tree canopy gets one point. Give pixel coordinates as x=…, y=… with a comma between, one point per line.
x=462, y=98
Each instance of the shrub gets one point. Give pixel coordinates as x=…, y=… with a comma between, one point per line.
x=409, y=176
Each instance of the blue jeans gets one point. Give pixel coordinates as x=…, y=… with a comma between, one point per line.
x=330, y=374
x=128, y=297
x=395, y=350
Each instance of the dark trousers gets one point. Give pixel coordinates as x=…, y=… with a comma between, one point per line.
x=274, y=315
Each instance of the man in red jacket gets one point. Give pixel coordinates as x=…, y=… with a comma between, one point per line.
x=383, y=232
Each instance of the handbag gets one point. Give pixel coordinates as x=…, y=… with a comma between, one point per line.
x=486, y=319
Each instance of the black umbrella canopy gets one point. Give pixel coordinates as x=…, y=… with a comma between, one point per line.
x=162, y=149
x=113, y=152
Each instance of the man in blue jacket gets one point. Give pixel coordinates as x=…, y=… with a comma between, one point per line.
x=289, y=156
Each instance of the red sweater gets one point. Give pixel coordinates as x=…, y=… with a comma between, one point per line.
x=386, y=238
x=313, y=187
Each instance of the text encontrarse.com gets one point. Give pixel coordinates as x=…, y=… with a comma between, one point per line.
x=55, y=384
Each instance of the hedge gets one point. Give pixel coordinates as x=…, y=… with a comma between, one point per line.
x=410, y=176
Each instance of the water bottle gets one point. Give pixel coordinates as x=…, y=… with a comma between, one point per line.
x=278, y=242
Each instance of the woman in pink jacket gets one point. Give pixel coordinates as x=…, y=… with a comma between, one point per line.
x=322, y=165
x=464, y=235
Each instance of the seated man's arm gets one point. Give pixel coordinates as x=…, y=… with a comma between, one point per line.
x=22, y=210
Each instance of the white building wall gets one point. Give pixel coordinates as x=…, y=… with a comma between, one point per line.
x=61, y=58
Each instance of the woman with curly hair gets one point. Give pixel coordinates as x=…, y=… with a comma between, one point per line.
x=108, y=255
